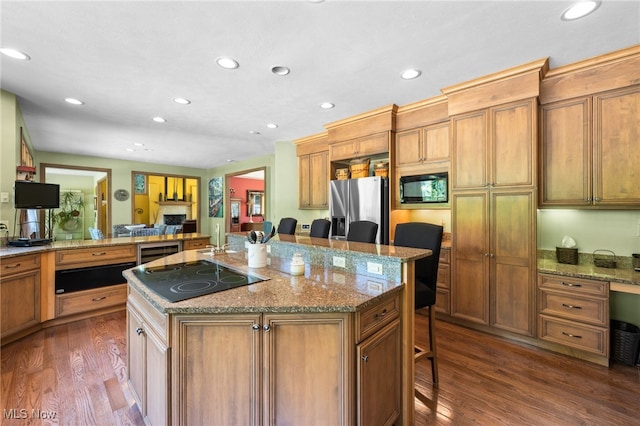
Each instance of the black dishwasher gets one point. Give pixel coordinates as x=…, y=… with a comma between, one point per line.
x=71, y=280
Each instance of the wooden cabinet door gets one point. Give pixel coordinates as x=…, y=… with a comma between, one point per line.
x=379, y=364
x=319, y=180
x=408, y=148
x=220, y=353
x=617, y=147
x=470, y=256
x=436, y=143
x=469, y=150
x=513, y=260
x=512, y=155
x=136, y=349
x=344, y=150
x=374, y=144
x=157, y=380
x=20, y=303
x=304, y=179
x=565, y=153
x=306, y=369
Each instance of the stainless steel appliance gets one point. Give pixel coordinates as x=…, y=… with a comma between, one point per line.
x=359, y=199
x=182, y=281
x=152, y=251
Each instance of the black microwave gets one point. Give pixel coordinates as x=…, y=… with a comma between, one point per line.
x=427, y=188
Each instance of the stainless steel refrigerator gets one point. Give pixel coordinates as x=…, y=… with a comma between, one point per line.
x=359, y=199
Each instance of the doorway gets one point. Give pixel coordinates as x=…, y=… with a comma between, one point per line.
x=246, y=196
x=87, y=188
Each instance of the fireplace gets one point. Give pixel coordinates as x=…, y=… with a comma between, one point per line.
x=174, y=219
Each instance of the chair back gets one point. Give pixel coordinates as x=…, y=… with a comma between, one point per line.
x=425, y=236
x=96, y=234
x=172, y=229
x=320, y=228
x=362, y=231
x=287, y=225
x=145, y=232
x=267, y=226
x=120, y=230
x=161, y=227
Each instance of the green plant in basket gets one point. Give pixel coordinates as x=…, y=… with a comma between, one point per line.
x=71, y=206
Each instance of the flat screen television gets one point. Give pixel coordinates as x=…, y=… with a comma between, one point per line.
x=427, y=188
x=34, y=195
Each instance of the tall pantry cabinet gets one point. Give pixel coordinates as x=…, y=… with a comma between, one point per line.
x=493, y=193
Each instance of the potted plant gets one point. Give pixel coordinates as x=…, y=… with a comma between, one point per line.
x=71, y=206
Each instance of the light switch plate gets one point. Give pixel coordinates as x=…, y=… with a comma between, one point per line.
x=339, y=262
x=4, y=197
x=374, y=268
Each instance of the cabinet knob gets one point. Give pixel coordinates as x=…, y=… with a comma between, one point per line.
x=597, y=199
x=266, y=327
x=255, y=327
x=364, y=358
x=380, y=315
x=139, y=331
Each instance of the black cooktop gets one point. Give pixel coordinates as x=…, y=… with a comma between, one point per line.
x=182, y=281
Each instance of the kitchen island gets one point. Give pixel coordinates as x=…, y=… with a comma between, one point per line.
x=333, y=346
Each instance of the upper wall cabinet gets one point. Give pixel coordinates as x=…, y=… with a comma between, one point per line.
x=361, y=147
x=313, y=172
x=589, y=140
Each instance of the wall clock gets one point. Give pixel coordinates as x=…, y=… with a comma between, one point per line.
x=121, y=194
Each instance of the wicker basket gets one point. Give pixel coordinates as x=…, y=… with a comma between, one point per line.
x=625, y=340
x=359, y=168
x=604, y=260
x=567, y=255
x=342, y=174
x=381, y=169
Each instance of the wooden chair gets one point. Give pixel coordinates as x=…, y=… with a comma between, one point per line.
x=287, y=225
x=424, y=236
x=320, y=228
x=362, y=231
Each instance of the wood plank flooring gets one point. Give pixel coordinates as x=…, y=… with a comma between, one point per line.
x=78, y=372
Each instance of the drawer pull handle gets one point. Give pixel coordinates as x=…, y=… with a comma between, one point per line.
x=16, y=265
x=97, y=299
x=139, y=331
x=571, y=335
x=380, y=315
x=571, y=284
x=571, y=306
x=102, y=253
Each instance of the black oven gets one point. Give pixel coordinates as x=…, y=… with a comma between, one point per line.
x=71, y=280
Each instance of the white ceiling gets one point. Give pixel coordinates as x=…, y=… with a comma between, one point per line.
x=127, y=60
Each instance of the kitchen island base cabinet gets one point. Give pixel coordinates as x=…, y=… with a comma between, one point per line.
x=271, y=369
x=20, y=289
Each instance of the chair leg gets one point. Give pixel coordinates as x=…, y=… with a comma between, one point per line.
x=432, y=344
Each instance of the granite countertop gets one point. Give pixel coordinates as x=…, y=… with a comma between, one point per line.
x=622, y=274
x=10, y=251
x=320, y=289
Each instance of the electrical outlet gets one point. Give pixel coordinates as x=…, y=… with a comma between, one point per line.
x=374, y=268
x=4, y=224
x=339, y=262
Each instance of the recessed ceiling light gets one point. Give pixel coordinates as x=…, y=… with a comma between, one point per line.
x=148, y=149
x=130, y=150
x=159, y=119
x=227, y=63
x=254, y=132
x=272, y=125
x=138, y=144
x=411, y=74
x=580, y=9
x=326, y=105
x=182, y=101
x=278, y=70
x=73, y=101
x=15, y=54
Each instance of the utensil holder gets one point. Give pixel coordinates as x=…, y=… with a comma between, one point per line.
x=257, y=256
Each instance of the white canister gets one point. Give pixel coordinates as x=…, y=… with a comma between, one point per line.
x=297, y=265
x=257, y=256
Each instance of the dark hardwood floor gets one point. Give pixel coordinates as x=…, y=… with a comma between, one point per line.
x=78, y=372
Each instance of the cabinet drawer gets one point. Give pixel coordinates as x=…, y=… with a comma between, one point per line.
x=154, y=319
x=90, y=300
x=66, y=259
x=444, y=275
x=445, y=255
x=374, y=317
x=573, y=285
x=19, y=264
x=580, y=336
x=592, y=310
x=195, y=244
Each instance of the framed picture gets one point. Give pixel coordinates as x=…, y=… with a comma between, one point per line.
x=235, y=209
x=140, y=184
